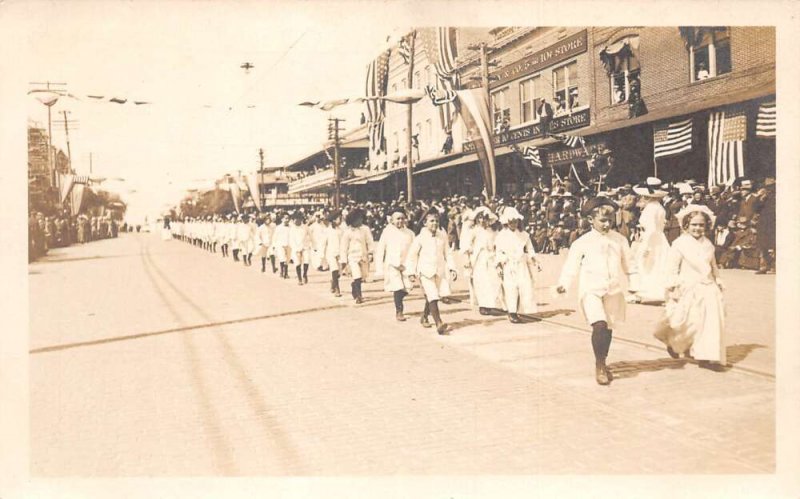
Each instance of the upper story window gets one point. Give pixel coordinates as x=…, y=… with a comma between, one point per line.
x=565, y=88
x=501, y=110
x=621, y=61
x=530, y=94
x=709, y=51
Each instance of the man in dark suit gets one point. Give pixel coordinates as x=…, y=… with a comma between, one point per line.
x=750, y=204
x=765, y=236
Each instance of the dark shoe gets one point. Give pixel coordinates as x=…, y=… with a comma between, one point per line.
x=400, y=317
x=483, y=311
x=602, y=374
x=514, y=318
x=672, y=353
x=305, y=279
x=711, y=366
x=425, y=322
x=761, y=272
x=443, y=329
x=299, y=283
x=359, y=300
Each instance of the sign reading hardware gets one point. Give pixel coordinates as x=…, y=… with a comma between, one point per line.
x=563, y=50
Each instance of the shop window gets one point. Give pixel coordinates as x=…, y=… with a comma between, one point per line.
x=530, y=94
x=709, y=53
x=565, y=88
x=621, y=60
x=501, y=112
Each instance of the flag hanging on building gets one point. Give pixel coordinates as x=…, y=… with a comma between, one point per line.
x=474, y=110
x=726, y=135
x=570, y=140
x=76, y=199
x=672, y=138
x=251, y=180
x=65, y=185
x=439, y=45
x=532, y=155
x=236, y=193
x=376, y=86
x=448, y=51
x=765, y=123
x=439, y=98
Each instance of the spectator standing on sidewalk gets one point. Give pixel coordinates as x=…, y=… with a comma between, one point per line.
x=765, y=233
x=601, y=260
x=694, y=319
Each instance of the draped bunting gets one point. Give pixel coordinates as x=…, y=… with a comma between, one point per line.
x=77, y=198
x=692, y=35
x=613, y=56
x=252, y=185
x=474, y=110
x=65, y=185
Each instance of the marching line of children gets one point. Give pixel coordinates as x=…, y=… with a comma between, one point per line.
x=500, y=267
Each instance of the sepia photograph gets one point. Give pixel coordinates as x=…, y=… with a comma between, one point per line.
x=319, y=240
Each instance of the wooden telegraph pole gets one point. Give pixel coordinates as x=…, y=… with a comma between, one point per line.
x=409, y=125
x=333, y=133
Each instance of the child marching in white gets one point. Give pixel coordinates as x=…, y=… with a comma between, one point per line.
x=300, y=246
x=431, y=259
x=393, y=249
x=280, y=245
x=330, y=248
x=601, y=258
x=263, y=239
x=651, y=251
x=317, y=230
x=355, y=250
x=694, y=322
x=465, y=242
x=486, y=283
x=245, y=236
x=516, y=261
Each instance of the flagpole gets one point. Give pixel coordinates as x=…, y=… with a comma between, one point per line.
x=409, y=155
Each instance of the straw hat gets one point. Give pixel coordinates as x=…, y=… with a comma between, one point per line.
x=650, y=188
x=510, y=213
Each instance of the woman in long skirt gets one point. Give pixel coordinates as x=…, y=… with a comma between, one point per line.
x=487, y=285
x=651, y=252
x=694, y=321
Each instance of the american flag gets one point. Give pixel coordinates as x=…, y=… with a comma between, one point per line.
x=376, y=86
x=532, y=155
x=726, y=134
x=439, y=45
x=672, y=138
x=765, y=123
x=570, y=140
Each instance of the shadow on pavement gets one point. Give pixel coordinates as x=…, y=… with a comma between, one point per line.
x=472, y=322
x=552, y=313
x=737, y=353
x=632, y=368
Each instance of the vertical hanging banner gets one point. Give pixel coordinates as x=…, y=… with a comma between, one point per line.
x=236, y=194
x=77, y=198
x=251, y=179
x=474, y=110
x=65, y=185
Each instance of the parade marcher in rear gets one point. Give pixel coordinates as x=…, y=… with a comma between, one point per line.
x=393, y=247
x=318, y=229
x=653, y=247
x=300, y=246
x=280, y=245
x=330, y=248
x=355, y=250
x=485, y=281
x=263, y=240
x=601, y=259
x=431, y=259
x=516, y=265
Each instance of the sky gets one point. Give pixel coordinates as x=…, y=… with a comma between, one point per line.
x=185, y=60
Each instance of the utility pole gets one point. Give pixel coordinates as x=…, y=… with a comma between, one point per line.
x=66, y=130
x=333, y=133
x=50, y=159
x=90, y=163
x=410, y=131
x=261, y=199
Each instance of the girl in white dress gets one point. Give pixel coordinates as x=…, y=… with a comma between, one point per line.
x=694, y=321
x=516, y=263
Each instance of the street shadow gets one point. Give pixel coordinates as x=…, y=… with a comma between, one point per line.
x=528, y=318
x=79, y=258
x=454, y=326
x=632, y=368
x=737, y=353
x=566, y=312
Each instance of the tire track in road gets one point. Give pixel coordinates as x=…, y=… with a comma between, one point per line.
x=286, y=451
x=221, y=450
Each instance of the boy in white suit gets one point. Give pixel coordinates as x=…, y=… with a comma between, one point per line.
x=393, y=249
x=602, y=259
x=431, y=259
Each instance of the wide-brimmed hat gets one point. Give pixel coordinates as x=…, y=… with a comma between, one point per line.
x=510, y=213
x=650, y=188
x=483, y=210
x=694, y=208
x=684, y=188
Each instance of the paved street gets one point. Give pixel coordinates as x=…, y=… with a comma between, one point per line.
x=153, y=358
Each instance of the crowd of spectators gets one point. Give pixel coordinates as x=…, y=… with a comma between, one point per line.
x=46, y=232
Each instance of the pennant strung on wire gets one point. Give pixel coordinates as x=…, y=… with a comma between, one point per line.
x=570, y=140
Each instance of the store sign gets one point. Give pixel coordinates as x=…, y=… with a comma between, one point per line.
x=571, y=155
x=561, y=51
x=534, y=131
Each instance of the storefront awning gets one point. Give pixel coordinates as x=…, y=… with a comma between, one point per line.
x=374, y=177
x=671, y=112
x=463, y=160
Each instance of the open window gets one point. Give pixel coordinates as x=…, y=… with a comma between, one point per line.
x=501, y=111
x=621, y=61
x=530, y=94
x=565, y=88
x=709, y=50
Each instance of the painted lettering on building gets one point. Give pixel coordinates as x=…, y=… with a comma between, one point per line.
x=566, y=48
